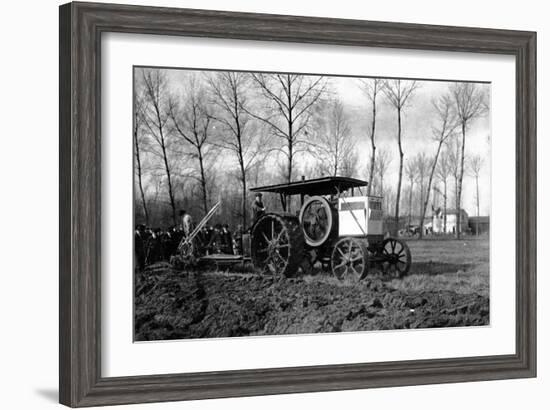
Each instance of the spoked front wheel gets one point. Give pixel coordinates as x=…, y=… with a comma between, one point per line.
x=349, y=259
x=396, y=257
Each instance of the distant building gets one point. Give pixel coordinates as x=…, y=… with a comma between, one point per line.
x=479, y=224
x=445, y=221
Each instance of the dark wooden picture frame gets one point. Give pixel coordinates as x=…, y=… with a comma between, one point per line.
x=81, y=27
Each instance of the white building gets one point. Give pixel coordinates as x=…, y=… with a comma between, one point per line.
x=445, y=221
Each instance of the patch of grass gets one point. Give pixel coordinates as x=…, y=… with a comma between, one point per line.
x=461, y=266
x=465, y=251
x=329, y=279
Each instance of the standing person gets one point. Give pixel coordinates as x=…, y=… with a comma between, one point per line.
x=215, y=243
x=157, y=245
x=175, y=238
x=258, y=209
x=139, y=246
x=227, y=240
x=238, y=241
x=186, y=223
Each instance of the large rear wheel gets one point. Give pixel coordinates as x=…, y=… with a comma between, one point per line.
x=277, y=244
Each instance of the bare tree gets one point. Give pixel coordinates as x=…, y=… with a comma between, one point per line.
x=229, y=91
x=422, y=166
x=398, y=94
x=446, y=125
x=371, y=89
x=443, y=172
x=192, y=122
x=453, y=150
x=138, y=143
x=470, y=103
x=291, y=100
x=155, y=114
x=475, y=165
x=333, y=144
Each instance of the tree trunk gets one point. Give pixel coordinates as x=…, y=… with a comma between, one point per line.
x=169, y=178
x=421, y=226
x=290, y=130
x=460, y=178
x=373, y=146
x=244, y=200
x=166, y=166
x=203, y=182
x=445, y=206
x=138, y=161
x=290, y=150
x=240, y=157
x=430, y=179
x=336, y=153
x=243, y=183
x=289, y=167
x=401, y=155
x=410, y=201
x=477, y=204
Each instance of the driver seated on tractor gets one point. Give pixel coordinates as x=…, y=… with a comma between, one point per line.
x=258, y=209
x=186, y=223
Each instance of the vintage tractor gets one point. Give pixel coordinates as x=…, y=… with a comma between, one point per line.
x=333, y=226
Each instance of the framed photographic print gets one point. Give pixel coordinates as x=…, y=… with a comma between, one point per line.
x=327, y=191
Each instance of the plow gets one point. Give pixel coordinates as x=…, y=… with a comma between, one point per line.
x=188, y=251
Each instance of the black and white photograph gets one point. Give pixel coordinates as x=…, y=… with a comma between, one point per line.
x=273, y=203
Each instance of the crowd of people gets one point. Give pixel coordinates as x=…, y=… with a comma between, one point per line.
x=155, y=245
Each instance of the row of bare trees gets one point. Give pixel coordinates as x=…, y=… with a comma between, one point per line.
x=427, y=183
x=182, y=130
x=454, y=113
x=202, y=135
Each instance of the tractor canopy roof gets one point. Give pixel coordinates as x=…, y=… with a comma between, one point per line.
x=317, y=186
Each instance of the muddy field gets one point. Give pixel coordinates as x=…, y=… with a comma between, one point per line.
x=171, y=304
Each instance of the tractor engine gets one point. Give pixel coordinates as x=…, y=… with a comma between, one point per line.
x=360, y=216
